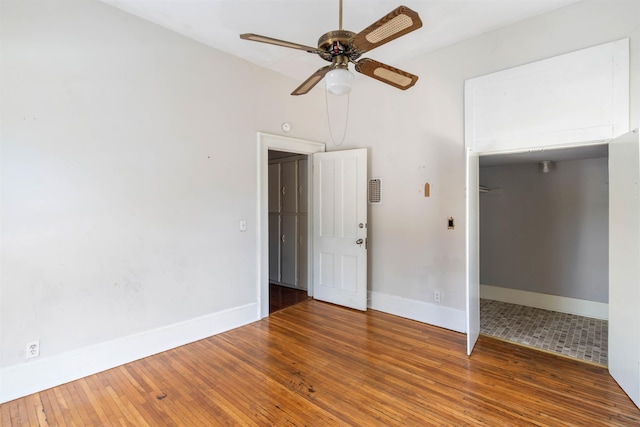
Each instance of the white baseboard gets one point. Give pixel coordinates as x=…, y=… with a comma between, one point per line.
x=433, y=314
x=580, y=307
x=40, y=374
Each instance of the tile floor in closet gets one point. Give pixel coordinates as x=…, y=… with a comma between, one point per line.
x=570, y=335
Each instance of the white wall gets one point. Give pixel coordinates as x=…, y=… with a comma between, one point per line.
x=128, y=159
x=547, y=232
x=417, y=137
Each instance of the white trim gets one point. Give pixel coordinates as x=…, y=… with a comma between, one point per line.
x=268, y=142
x=40, y=374
x=433, y=314
x=598, y=310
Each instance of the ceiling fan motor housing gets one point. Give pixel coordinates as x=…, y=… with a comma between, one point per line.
x=337, y=43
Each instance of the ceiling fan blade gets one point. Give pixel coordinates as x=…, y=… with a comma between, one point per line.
x=269, y=40
x=386, y=73
x=313, y=80
x=395, y=24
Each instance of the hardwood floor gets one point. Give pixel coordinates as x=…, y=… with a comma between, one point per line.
x=318, y=364
x=282, y=297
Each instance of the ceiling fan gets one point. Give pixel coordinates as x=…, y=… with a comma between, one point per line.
x=341, y=47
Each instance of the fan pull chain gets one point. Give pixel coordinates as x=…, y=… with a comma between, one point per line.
x=346, y=121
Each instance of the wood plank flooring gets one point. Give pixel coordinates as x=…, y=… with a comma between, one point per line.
x=282, y=297
x=320, y=365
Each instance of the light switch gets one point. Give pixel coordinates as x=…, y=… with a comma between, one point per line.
x=243, y=225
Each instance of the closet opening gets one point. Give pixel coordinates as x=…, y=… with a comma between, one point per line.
x=544, y=250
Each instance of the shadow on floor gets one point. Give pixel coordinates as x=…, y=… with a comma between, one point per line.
x=281, y=297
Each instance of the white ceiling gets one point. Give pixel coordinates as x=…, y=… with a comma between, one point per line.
x=219, y=23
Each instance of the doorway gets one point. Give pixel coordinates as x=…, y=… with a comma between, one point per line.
x=284, y=144
x=544, y=250
x=338, y=217
x=288, y=181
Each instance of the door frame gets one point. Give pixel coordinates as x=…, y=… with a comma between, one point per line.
x=266, y=142
x=473, y=233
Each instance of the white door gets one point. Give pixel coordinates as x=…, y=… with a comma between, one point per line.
x=624, y=264
x=340, y=227
x=473, y=250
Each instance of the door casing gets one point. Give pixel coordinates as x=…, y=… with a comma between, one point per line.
x=266, y=142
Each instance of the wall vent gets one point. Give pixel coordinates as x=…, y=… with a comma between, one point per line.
x=374, y=191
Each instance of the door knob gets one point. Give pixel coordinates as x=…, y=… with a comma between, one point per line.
x=359, y=242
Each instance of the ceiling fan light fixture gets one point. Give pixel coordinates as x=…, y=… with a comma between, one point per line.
x=339, y=81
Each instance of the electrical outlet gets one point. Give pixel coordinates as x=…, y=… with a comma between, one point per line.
x=436, y=296
x=33, y=349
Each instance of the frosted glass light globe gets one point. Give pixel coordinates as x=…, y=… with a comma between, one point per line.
x=339, y=81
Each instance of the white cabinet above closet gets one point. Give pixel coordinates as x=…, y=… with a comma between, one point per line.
x=573, y=98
